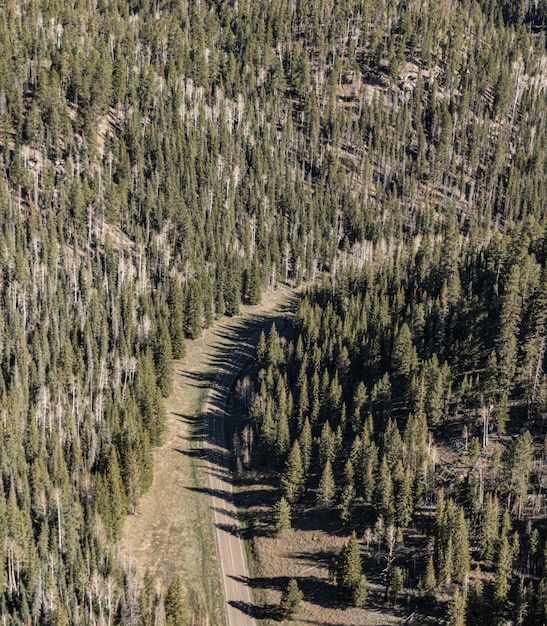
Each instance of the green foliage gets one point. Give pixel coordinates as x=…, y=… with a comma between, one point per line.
x=474, y=449
x=176, y=608
x=396, y=584
x=176, y=321
x=516, y=466
x=163, y=360
x=110, y=499
x=327, y=487
x=281, y=516
x=155, y=146
x=456, y=609
x=489, y=527
x=293, y=481
x=503, y=575
x=429, y=583
x=289, y=605
x=348, y=572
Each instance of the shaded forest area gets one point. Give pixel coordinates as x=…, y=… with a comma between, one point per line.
x=409, y=408
x=163, y=162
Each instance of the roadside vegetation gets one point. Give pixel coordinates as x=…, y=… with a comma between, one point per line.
x=406, y=413
x=164, y=163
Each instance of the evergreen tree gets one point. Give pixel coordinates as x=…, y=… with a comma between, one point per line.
x=176, y=320
x=193, y=312
x=291, y=598
x=293, y=481
x=274, y=351
x=384, y=496
x=348, y=571
x=456, y=609
x=254, y=283
x=488, y=530
x=503, y=579
x=305, y=442
x=475, y=600
x=281, y=516
x=163, y=360
x=327, y=487
x=176, y=609
x=396, y=584
x=110, y=497
x=347, y=495
x=261, y=350
x=429, y=583
x=461, y=559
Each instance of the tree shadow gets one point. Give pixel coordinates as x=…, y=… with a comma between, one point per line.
x=217, y=493
x=318, y=591
x=245, y=533
x=268, y=611
x=193, y=453
x=201, y=380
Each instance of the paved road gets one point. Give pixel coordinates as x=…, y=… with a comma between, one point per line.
x=231, y=548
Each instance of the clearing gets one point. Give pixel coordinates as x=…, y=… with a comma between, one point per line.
x=172, y=530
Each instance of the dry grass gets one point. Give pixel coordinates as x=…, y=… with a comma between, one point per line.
x=172, y=530
x=304, y=553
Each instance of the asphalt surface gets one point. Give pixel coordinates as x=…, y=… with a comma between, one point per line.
x=231, y=549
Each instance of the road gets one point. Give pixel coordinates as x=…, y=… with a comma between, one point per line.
x=172, y=531
x=231, y=548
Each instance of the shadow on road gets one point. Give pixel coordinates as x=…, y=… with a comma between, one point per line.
x=270, y=611
x=318, y=591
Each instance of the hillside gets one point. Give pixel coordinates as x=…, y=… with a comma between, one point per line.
x=164, y=162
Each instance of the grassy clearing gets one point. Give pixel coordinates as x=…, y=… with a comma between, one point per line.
x=172, y=530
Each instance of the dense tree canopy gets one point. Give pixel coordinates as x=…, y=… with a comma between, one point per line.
x=163, y=163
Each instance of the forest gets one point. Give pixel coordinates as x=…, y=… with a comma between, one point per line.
x=163, y=163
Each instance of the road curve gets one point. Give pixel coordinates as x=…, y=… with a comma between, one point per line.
x=231, y=549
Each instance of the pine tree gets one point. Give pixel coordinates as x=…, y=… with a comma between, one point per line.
x=404, y=505
x=517, y=461
x=291, y=598
x=261, y=350
x=461, y=559
x=348, y=571
x=395, y=584
x=305, y=441
x=327, y=448
x=429, y=583
x=149, y=399
x=281, y=516
x=147, y=600
x=274, y=351
x=283, y=439
x=327, y=487
x=254, y=283
x=163, y=360
x=347, y=495
x=268, y=431
x=488, y=529
x=193, y=311
x=404, y=358
x=474, y=449
x=501, y=413
x=475, y=600
x=360, y=592
x=292, y=481
x=176, y=320
x=176, y=609
x=384, y=497
x=110, y=499
x=502, y=582
x=456, y=609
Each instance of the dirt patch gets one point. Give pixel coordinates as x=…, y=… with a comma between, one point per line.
x=303, y=555
x=172, y=530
